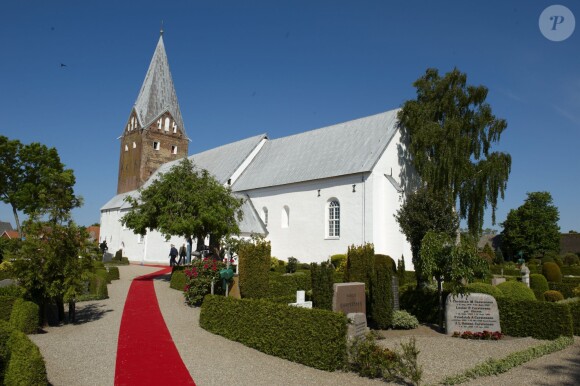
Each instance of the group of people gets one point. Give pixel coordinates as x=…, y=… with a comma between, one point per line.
x=173, y=253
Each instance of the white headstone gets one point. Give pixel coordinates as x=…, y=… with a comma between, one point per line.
x=474, y=312
x=300, y=296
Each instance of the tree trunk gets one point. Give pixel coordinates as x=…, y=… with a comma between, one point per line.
x=72, y=316
x=60, y=308
x=200, y=243
x=17, y=220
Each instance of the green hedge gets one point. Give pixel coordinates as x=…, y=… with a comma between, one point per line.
x=574, y=271
x=539, y=285
x=575, y=311
x=97, y=289
x=540, y=320
x=5, y=331
x=315, y=338
x=423, y=303
x=6, y=304
x=102, y=272
x=25, y=316
x=566, y=289
x=322, y=285
x=287, y=284
x=113, y=273
x=124, y=261
x=484, y=288
x=516, y=290
x=381, y=293
x=359, y=264
x=177, y=281
x=254, y=268
x=12, y=290
x=26, y=365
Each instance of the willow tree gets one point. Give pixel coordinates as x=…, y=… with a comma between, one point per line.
x=187, y=202
x=451, y=129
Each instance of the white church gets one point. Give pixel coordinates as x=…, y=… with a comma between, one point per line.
x=311, y=195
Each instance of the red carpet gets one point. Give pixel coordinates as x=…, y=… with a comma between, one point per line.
x=146, y=354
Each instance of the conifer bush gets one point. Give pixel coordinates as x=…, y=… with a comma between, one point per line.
x=381, y=293
x=322, y=285
x=516, y=290
x=113, y=273
x=539, y=285
x=552, y=272
x=359, y=264
x=254, y=268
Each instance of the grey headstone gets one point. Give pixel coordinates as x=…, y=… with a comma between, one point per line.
x=497, y=280
x=395, y=291
x=474, y=312
x=357, y=326
x=349, y=298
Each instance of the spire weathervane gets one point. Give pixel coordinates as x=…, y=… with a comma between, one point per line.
x=161, y=31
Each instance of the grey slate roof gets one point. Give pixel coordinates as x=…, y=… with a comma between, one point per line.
x=5, y=226
x=251, y=222
x=157, y=93
x=346, y=148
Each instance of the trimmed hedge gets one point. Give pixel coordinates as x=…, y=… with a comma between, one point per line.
x=322, y=285
x=539, y=285
x=553, y=296
x=566, y=289
x=288, y=284
x=12, y=290
x=359, y=264
x=575, y=311
x=97, y=289
x=574, y=271
x=552, y=272
x=25, y=316
x=516, y=290
x=113, y=273
x=254, y=268
x=26, y=365
x=540, y=320
x=423, y=303
x=102, y=272
x=381, y=293
x=177, y=281
x=6, y=304
x=484, y=288
x=5, y=331
x=315, y=338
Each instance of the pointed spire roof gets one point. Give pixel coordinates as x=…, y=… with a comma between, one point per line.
x=157, y=93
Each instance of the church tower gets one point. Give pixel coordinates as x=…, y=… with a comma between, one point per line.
x=154, y=133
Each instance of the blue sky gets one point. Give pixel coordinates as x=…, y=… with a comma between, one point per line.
x=242, y=68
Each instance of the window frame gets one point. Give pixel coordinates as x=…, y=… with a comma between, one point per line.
x=333, y=224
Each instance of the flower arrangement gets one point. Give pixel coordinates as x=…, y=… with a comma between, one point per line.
x=483, y=335
x=198, y=278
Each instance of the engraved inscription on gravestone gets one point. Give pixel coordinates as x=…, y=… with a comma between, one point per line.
x=474, y=312
x=349, y=298
x=357, y=325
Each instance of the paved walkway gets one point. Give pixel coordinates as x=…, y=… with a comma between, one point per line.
x=85, y=354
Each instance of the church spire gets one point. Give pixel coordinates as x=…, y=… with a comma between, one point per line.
x=157, y=94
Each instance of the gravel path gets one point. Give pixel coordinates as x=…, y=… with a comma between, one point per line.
x=84, y=354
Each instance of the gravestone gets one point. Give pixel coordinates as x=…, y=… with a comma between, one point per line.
x=349, y=298
x=497, y=280
x=395, y=292
x=474, y=312
x=357, y=326
x=301, y=300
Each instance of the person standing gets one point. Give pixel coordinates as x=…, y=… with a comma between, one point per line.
x=172, y=255
x=182, y=255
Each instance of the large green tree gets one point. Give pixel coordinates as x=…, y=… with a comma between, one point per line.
x=34, y=180
x=532, y=228
x=450, y=131
x=188, y=202
x=425, y=211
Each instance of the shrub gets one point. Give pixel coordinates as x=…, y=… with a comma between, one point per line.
x=5, y=331
x=402, y=320
x=97, y=288
x=401, y=271
x=254, y=265
x=539, y=285
x=540, y=320
x=359, y=264
x=484, y=288
x=552, y=272
x=113, y=273
x=198, y=279
x=381, y=293
x=566, y=289
x=553, y=296
x=338, y=260
x=322, y=285
x=12, y=290
x=516, y=290
x=315, y=338
x=25, y=316
x=575, y=311
x=288, y=284
x=292, y=265
x=26, y=365
x=102, y=272
x=177, y=281
x=119, y=255
x=570, y=270
x=423, y=303
x=6, y=304
x=571, y=259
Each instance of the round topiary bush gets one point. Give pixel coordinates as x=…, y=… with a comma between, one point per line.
x=402, y=320
x=571, y=259
x=553, y=296
x=25, y=316
x=552, y=272
x=516, y=290
x=484, y=288
x=539, y=285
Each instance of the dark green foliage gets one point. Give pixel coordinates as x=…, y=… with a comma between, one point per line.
x=24, y=316
x=124, y=261
x=254, y=268
x=337, y=260
x=288, y=284
x=570, y=270
x=539, y=285
x=552, y=272
x=483, y=288
x=498, y=259
x=359, y=264
x=575, y=311
x=315, y=338
x=12, y=290
x=547, y=259
x=516, y=290
x=381, y=293
x=26, y=366
x=553, y=296
x=5, y=331
x=6, y=304
x=322, y=285
x=421, y=302
x=532, y=228
x=401, y=271
x=571, y=259
x=292, y=265
x=177, y=281
x=540, y=320
x=497, y=270
x=113, y=273
x=97, y=288
x=102, y=273
x=566, y=289
x=119, y=255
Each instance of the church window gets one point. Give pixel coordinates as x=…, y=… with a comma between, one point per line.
x=166, y=127
x=173, y=149
x=174, y=127
x=126, y=148
x=134, y=145
x=265, y=215
x=334, y=219
x=159, y=124
x=285, y=216
x=156, y=145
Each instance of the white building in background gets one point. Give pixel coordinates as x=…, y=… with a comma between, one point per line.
x=311, y=195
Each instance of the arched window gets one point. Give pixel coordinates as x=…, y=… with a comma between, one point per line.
x=265, y=215
x=334, y=218
x=285, y=216
x=166, y=127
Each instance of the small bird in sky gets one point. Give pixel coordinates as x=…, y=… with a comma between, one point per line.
x=63, y=65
